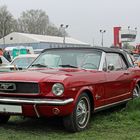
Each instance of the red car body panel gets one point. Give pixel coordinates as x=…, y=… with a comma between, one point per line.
x=75, y=81
x=104, y=88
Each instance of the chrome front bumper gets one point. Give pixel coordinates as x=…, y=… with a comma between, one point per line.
x=35, y=101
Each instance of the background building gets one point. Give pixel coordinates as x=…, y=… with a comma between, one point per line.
x=38, y=41
x=122, y=36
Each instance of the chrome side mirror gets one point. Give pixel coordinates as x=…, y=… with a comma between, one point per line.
x=111, y=67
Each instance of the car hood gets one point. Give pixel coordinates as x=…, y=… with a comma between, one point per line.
x=49, y=75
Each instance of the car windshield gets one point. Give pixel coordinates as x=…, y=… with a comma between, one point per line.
x=69, y=58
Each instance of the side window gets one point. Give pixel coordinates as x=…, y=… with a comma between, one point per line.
x=115, y=61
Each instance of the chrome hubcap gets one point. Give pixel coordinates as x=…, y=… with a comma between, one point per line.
x=136, y=92
x=83, y=112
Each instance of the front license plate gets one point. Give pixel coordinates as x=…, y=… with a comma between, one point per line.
x=10, y=109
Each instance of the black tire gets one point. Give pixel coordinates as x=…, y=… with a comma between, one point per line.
x=4, y=118
x=78, y=120
x=136, y=92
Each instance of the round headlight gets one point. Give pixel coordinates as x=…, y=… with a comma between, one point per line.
x=58, y=89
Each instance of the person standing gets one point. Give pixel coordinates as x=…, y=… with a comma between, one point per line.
x=1, y=51
x=0, y=61
x=7, y=55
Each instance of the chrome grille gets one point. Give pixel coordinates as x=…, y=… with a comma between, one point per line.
x=19, y=87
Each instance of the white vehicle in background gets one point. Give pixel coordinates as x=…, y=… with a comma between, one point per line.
x=23, y=61
x=3, y=61
x=5, y=65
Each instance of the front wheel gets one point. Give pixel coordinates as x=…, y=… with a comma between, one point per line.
x=136, y=91
x=4, y=118
x=78, y=120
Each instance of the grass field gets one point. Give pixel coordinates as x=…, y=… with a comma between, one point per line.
x=114, y=124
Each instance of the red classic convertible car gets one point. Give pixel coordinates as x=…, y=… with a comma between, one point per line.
x=70, y=82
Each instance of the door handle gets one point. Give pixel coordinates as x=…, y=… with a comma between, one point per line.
x=127, y=72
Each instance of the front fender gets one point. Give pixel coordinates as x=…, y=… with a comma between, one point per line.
x=81, y=90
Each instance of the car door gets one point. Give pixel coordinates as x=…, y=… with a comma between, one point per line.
x=117, y=87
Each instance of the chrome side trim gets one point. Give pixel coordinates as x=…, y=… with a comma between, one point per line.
x=35, y=101
x=18, y=81
x=4, y=93
x=112, y=104
x=102, y=61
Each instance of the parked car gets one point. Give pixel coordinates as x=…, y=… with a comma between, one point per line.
x=23, y=61
x=8, y=68
x=136, y=56
x=5, y=65
x=137, y=62
x=3, y=60
x=71, y=83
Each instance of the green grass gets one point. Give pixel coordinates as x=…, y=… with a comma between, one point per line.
x=113, y=124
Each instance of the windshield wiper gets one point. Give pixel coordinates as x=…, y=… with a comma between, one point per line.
x=39, y=65
x=70, y=66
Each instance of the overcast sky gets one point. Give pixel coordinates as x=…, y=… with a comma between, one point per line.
x=85, y=17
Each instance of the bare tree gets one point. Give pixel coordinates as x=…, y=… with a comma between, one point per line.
x=53, y=30
x=7, y=23
x=30, y=21
x=37, y=22
x=33, y=21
